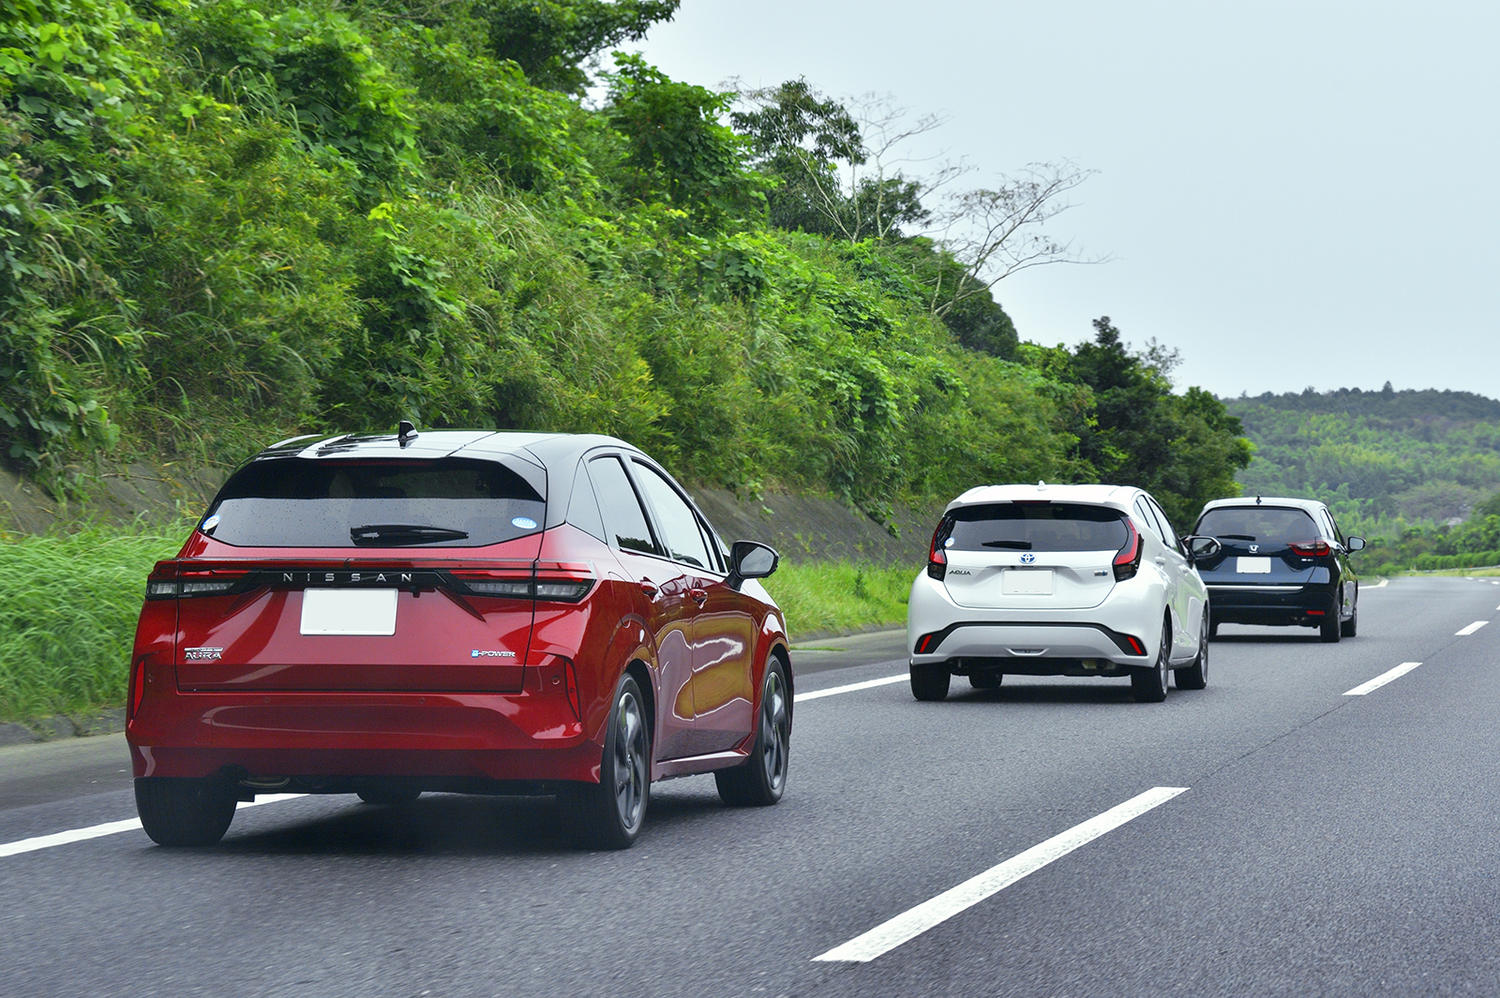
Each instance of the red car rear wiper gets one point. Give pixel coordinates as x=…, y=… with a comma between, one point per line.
x=403, y=533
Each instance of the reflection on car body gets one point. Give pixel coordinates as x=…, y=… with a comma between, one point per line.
x=455, y=611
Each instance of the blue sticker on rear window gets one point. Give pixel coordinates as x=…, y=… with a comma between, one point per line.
x=523, y=522
x=210, y=523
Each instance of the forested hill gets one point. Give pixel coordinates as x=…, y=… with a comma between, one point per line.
x=1385, y=459
x=223, y=222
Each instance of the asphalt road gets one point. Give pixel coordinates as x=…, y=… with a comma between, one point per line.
x=1280, y=836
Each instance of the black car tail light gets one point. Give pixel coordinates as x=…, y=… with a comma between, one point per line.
x=1128, y=558
x=1311, y=549
x=170, y=580
x=552, y=582
x=937, y=555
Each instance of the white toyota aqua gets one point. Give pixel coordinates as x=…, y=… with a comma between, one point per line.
x=1059, y=580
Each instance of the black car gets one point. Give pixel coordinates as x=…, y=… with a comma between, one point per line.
x=1282, y=562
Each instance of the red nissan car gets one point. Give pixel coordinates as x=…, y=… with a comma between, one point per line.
x=455, y=611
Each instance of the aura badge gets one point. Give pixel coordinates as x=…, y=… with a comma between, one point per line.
x=202, y=654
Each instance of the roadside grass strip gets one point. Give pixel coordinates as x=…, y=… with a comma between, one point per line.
x=868, y=684
x=1470, y=629
x=108, y=828
x=1382, y=679
x=929, y=914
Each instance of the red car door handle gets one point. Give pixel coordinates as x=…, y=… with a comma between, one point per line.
x=700, y=596
x=648, y=589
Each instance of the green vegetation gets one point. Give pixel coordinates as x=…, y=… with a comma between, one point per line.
x=68, y=605
x=1417, y=472
x=226, y=222
x=841, y=596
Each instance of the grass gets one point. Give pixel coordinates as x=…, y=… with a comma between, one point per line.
x=69, y=602
x=68, y=606
x=840, y=596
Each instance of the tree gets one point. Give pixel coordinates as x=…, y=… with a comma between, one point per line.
x=551, y=39
x=798, y=139
x=1184, y=449
x=676, y=146
x=1000, y=230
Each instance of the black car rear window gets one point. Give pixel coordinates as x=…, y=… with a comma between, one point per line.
x=1036, y=527
x=445, y=502
x=1262, y=524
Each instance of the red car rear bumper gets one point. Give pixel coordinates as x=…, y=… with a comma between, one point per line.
x=501, y=737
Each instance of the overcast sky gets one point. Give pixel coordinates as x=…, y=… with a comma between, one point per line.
x=1293, y=194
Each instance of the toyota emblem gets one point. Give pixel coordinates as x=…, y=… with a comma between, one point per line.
x=1028, y=558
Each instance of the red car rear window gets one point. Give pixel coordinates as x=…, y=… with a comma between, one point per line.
x=446, y=502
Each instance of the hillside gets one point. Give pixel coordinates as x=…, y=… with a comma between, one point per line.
x=1418, y=471
x=225, y=222
x=1409, y=456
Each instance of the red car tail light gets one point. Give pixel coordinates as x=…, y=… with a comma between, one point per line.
x=1128, y=559
x=137, y=686
x=570, y=678
x=1311, y=549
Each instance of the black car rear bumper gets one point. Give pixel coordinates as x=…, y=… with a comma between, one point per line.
x=1305, y=605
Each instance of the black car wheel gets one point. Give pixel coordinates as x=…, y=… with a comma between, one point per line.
x=761, y=779
x=176, y=812
x=1195, y=676
x=1149, y=683
x=1351, y=626
x=609, y=814
x=1330, y=629
x=986, y=680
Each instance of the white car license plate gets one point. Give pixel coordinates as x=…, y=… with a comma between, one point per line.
x=349, y=611
x=1027, y=582
x=1253, y=566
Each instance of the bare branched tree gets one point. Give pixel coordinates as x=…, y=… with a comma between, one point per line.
x=847, y=171
x=996, y=232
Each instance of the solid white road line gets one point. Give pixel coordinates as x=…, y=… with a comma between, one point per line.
x=109, y=828
x=1470, y=629
x=868, y=684
x=910, y=924
x=1382, y=679
x=131, y=824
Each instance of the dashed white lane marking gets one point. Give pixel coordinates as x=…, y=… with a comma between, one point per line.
x=109, y=828
x=912, y=923
x=1382, y=679
x=868, y=684
x=1470, y=629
